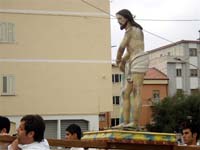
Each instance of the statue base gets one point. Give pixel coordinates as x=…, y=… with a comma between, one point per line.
x=132, y=137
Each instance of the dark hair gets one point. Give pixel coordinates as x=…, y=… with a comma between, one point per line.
x=34, y=123
x=74, y=128
x=127, y=14
x=4, y=123
x=192, y=126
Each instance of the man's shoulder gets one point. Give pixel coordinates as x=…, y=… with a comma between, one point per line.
x=76, y=148
x=35, y=146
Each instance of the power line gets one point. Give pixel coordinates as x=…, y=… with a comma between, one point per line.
x=181, y=60
x=160, y=68
x=100, y=9
x=174, y=57
x=170, y=20
x=166, y=20
x=158, y=36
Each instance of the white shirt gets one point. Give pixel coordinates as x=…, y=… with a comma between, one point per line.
x=44, y=145
x=76, y=148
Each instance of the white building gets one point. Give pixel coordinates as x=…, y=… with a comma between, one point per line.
x=180, y=61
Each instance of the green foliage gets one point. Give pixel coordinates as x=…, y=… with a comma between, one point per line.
x=172, y=111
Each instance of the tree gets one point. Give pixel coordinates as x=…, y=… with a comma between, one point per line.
x=172, y=111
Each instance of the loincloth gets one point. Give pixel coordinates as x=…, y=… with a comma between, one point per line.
x=138, y=64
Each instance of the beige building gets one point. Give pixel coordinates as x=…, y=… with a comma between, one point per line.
x=116, y=93
x=55, y=61
x=108, y=119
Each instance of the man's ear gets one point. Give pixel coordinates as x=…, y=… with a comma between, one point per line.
x=194, y=135
x=3, y=131
x=75, y=136
x=31, y=134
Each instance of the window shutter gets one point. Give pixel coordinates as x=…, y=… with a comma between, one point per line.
x=51, y=129
x=7, y=34
x=8, y=85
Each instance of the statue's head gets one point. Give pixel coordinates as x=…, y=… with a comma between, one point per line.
x=124, y=16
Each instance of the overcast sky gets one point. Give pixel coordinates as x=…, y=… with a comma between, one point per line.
x=158, y=9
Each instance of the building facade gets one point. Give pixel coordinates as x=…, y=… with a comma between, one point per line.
x=51, y=63
x=155, y=89
x=180, y=61
x=116, y=95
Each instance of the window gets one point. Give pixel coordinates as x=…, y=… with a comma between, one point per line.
x=193, y=72
x=57, y=128
x=179, y=91
x=50, y=129
x=102, y=117
x=178, y=72
x=7, y=85
x=195, y=91
x=116, y=78
x=156, y=95
x=7, y=32
x=114, y=121
x=193, y=51
x=116, y=100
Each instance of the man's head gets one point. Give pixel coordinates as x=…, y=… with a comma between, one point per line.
x=31, y=129
x=190, y=134
x=4, y=125
x=73, y=132
x=125, y=18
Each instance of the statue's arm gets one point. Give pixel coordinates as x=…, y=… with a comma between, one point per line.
x=121, y=49
x=119, y=55
x=125, y=58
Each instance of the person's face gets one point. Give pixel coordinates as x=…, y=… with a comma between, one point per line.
x=69, y=136
x=122, y=21
x=22, y=136
x=188, y=137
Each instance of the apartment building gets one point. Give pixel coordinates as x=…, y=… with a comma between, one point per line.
x=55, y=61
x=117, y=76
x=180, y=61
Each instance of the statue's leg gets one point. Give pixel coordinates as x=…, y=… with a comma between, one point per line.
x=137, y=87
x=127, y=102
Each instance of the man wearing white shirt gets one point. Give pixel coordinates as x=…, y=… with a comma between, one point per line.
x=30, y=134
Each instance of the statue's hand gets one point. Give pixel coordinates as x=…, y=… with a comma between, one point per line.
x=118, y=62
x=122, y=67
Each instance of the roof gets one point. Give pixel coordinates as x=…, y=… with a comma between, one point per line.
x=155, y=74
x=174, y=44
